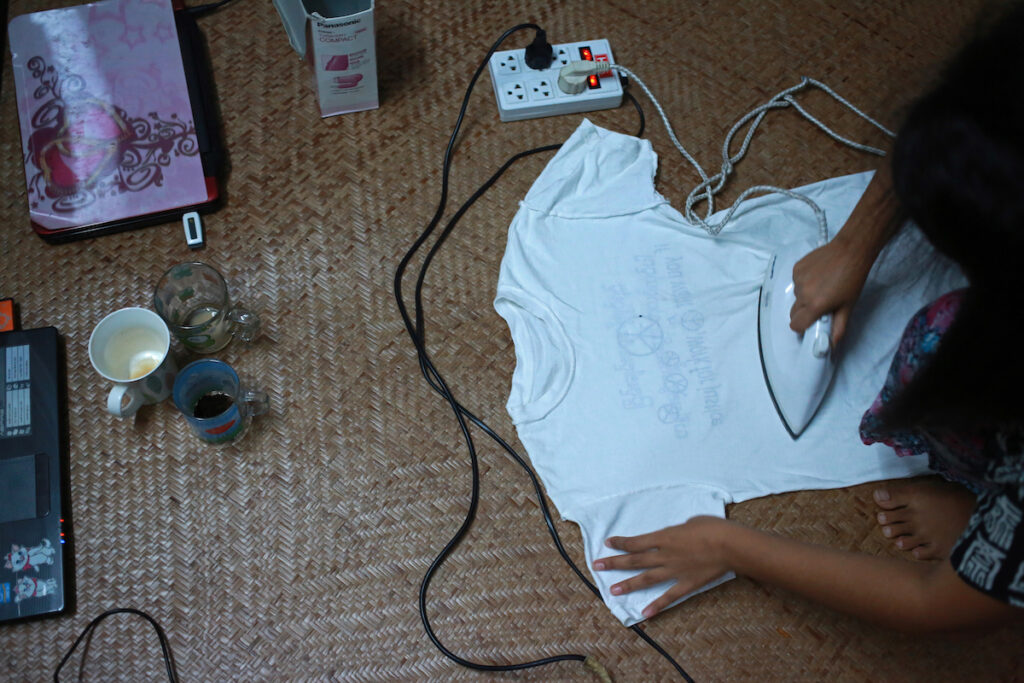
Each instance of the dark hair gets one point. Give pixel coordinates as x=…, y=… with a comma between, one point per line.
x=958, y=170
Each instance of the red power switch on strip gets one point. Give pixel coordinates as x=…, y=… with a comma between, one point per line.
x=6, y=315
x=587, y=55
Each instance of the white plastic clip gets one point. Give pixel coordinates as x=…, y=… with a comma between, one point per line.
x=193, y=230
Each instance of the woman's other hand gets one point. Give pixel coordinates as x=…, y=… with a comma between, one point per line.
x=689, y=553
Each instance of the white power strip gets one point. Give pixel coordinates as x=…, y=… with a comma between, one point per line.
x=525, y=93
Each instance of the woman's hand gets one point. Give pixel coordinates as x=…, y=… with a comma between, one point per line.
x=690, y=553
x=828, y=280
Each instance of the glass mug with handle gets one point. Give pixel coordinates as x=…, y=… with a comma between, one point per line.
x=192, y=298
x=214, y=402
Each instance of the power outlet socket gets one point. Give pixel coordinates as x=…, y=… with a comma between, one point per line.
x=525, y=93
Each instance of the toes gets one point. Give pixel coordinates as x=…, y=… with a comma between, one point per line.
x=900, y=516
x=884, y=499
x=895, y=530
x=922, y=516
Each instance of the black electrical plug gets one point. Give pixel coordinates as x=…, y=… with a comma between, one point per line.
x=539, y=53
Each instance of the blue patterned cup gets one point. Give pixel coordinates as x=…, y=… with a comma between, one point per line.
x=211, y=397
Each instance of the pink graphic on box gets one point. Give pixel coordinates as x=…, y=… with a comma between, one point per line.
x=345, y=82
x=104, y=113
x=337, y=63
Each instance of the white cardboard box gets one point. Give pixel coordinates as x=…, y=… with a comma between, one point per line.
x=336, y=37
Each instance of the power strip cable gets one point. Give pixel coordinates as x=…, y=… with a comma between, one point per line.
x=415, y=327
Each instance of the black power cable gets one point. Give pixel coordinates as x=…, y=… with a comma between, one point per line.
x=416, y=331
x=165, y=646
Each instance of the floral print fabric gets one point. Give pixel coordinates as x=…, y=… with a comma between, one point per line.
x=990, y=553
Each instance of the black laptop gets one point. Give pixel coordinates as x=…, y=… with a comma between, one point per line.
x=35, y=576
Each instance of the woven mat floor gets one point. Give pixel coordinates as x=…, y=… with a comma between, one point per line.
x=298, y=555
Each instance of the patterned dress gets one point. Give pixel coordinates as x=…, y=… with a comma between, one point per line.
x=989, y=555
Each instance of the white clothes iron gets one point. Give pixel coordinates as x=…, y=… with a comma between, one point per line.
x=797, y=367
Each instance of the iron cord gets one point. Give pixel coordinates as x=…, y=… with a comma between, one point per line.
x=710, y=186
x=416, y=329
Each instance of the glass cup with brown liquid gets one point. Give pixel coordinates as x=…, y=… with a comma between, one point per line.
x=216, y=405
x=193, y=300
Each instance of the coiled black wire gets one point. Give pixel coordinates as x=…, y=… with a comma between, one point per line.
x=165, y=646
x=415, y=327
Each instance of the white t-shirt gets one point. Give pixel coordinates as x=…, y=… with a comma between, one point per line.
x=638, y=391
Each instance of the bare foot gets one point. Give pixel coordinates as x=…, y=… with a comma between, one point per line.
x=924, y=516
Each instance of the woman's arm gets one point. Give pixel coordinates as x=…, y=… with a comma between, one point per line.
x=830, y=278
x=911, y=596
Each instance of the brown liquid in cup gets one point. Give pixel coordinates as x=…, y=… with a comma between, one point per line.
x=212, y=404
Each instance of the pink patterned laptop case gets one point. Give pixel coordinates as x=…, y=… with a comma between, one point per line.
x=107, y=125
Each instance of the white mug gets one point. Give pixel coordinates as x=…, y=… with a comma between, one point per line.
x=131, y=347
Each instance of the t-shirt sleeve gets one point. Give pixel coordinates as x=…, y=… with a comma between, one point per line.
x=990, y=553
x=632, y=514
